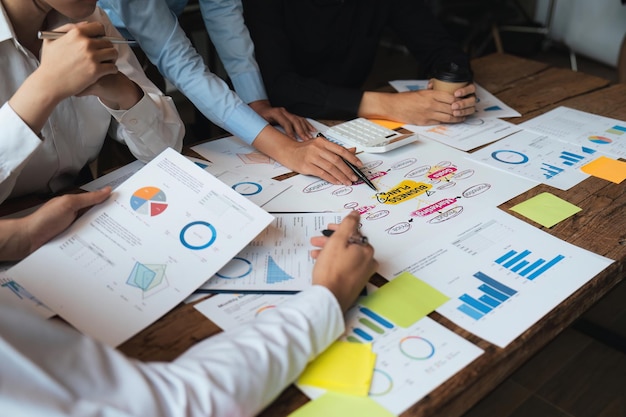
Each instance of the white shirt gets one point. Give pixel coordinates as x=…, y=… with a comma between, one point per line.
x=76, y=129
x=49, y=370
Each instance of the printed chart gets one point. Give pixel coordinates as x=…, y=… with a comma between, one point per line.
x=410, y=362
x=501, y=274
x=539, y=158
x=278, y=259
x=150, y=201
x=602, y=134
x=164, y=232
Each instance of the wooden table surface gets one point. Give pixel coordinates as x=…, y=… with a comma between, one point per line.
x=531, y=88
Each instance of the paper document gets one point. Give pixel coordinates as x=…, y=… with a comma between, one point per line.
x=539, y=158
x=411, y=361
x=424, y=189
x=236, y=155
x=12, y=293
x=587, y=130
x=257, y=189
x=278, y=259
x=501, y=274
x=129, y=260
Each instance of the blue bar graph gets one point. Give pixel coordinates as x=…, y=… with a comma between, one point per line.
x=363, y=334
x=519, y=266
x=489, y=301
x=505, y=256
x=464, y=308
x=368, y=325
x=472, y=302
x=617, y=130
x=515, y=262
x=589, y=151
x=369, y=313
x=547, y=266
x=570, y=159
x=532, y=267
x=495, y=284
x=516, y=259
x=494, y=294
x=550, y=170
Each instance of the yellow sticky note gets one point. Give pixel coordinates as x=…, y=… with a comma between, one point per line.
x=389, y=124
x=606, y=168
x=404, y=300
x=344, y=367
x=546, y=209
x=332, y=404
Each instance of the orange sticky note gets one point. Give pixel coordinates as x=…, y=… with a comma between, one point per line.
x=389, y=124
x=606, y=168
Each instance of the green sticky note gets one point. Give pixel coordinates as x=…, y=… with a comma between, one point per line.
x=344, y=367
x=404, y=300
x=332, y=404
x=606, y=168
x=546, y=209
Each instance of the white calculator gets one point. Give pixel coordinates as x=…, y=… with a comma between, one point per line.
x=367, y=136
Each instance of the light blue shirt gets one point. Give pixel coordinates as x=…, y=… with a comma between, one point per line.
x=154, y=25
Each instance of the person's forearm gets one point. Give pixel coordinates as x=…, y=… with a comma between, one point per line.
x=274, y=144
x=14, y=244
x=122, y=95
x=236, y=373
x=35, y=100
x=375, y=105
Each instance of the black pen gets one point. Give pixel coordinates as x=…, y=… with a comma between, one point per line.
x=354, y=169
x=357, y=238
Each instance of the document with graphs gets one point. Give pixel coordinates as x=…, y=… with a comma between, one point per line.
x=126, y=262
x=500, y=273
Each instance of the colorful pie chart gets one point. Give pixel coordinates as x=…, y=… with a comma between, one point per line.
x=149, y=201
x=601, y=140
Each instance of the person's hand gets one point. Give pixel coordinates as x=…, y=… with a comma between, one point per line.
x=55, y=216
x=318, y=156
x=76, y=60
x=422, y=108
x=294, y=126
x=343, y=267
x=465, y=103
x=116, y=91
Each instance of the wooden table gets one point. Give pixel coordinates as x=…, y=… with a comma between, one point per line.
x=532, y=88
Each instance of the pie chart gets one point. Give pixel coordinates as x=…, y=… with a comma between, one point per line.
x=149, y=201
x=601, y=140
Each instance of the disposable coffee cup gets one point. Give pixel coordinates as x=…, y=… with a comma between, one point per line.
x=450, y=77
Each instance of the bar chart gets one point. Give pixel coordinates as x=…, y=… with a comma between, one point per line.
x=493, y=293
x=366, y=326
x=518, y=262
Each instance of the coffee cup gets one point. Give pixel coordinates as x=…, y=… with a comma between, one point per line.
x=450, y=77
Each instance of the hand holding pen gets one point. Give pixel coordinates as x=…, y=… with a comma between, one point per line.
x=341, y=266
x=355, y=238
x=77, y=59
x=354, y=169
